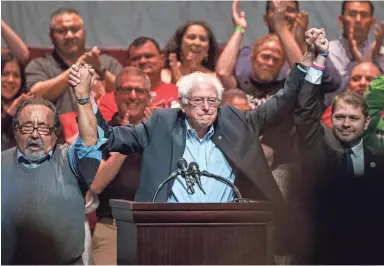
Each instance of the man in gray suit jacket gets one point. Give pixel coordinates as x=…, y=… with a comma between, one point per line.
x=341, y=189
x=222, y=140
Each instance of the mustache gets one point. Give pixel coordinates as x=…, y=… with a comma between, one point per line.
x=38, y=142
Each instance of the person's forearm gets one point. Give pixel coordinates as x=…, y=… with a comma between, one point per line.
x=51, y=89
x=320, y=61
x=227, y=61
x=87, y=122
x=14, y=43
x=292, y=51
x=109, y=82
x=107, y=172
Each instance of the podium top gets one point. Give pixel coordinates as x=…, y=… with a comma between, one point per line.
x=148, y=212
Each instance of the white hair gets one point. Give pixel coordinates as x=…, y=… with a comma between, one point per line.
x=192, y=80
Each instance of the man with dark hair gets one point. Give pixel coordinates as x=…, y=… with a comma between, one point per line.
x=340, y=193
x=47, y=76
x=43, y=184
x=352, y=47
x=144, y=53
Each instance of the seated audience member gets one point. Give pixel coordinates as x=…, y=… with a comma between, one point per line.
x=12, y=94
x=192, y=48
x=374, y=136
x=144, y=53
x=14, y=43
x=352, y=47
x=47, y=76
x=44, y=183
x=360, y=78
x=118, y=175
x=341, y=188
x=227, y=138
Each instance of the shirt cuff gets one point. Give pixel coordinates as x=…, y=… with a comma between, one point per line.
x=303, y=68
x=314, y=75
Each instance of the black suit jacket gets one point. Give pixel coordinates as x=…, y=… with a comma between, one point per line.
x=161, y=140
x=343, y=212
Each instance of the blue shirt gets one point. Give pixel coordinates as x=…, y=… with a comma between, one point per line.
x=205, y=153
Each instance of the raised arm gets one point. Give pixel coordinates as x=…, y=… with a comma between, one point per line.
x=41, y=85
x=227, y=61
x=292, y=50
x=307, y=114
x=14, y=43
x=281, y=104
x=85, y=153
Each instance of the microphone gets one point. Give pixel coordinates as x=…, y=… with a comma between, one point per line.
x=194, y=171
x=182, y=165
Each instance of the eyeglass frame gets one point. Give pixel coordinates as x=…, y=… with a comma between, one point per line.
x=216, y=104
x=20, y=128
x=127, y=91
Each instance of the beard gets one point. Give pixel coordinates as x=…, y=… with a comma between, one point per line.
x=34, y=155
x=265, y=75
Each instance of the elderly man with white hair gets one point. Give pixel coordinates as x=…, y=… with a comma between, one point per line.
x=220, y=139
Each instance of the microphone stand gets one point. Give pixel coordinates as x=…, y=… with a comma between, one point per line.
x=172, y=176
x=225, y=181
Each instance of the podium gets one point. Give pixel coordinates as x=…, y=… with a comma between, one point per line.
x=192, y=233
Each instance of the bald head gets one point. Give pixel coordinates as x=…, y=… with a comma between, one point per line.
x=362, y=75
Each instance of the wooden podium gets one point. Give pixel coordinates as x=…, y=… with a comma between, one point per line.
x=192, y=233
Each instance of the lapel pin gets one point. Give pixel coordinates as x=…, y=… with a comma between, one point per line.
x=219, y=137
x=372, y=164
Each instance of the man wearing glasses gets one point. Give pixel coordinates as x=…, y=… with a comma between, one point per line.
x=221, y=140
x=43, y=183
x=47, y=77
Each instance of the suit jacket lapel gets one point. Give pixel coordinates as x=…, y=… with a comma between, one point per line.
x=178, y=146
x=370, y=163
x=268, y=187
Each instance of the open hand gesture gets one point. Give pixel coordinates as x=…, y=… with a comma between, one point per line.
x=238, y=19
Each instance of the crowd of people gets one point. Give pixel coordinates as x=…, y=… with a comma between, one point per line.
x=295, y=119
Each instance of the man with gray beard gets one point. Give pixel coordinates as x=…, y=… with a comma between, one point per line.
x=43, y=184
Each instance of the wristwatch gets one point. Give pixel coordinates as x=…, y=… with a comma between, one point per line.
x=83, y=100
x=325, y=54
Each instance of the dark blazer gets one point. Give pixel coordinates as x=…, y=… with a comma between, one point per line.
x=342, y=212
x=162, y=138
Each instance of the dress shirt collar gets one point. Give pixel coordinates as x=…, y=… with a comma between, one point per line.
x=192, y=133
x=22, y=159
x=358, y=149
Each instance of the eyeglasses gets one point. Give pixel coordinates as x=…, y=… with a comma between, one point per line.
x=41, y=129
x=127, y=91
x=213, y=102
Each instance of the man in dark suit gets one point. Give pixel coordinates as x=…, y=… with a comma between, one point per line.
x=341, y=189
x=222, y=140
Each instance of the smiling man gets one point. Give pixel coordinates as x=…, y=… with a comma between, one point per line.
x=47, y=77
x=341, y=188
x=145, y=54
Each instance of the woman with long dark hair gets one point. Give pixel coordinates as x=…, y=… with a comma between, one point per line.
x=192, y=48
x=12, y=94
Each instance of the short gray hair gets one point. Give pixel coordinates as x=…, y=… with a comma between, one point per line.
x=192, y=80
x=38, y=101
x=130, y=70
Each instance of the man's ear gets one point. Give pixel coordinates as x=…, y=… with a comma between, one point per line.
x=367, y=121
x=181, y=105
x=265, y=18
x=372, y=23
